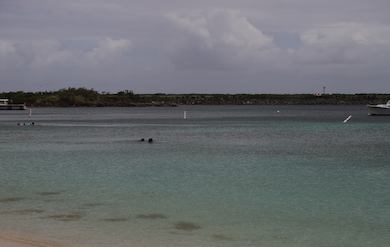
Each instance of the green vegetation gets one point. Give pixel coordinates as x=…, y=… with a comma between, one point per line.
x=89, y=97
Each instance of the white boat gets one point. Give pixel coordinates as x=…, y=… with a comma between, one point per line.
x=4, y=105
x=381, y=109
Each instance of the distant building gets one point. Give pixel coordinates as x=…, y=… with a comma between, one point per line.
x=4, y=101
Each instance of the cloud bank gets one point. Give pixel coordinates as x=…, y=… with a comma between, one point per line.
x=252, y=47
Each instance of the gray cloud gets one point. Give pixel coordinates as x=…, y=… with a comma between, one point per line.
x=217, y=40
x=207, y=46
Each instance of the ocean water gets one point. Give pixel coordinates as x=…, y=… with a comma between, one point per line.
x=226, y=176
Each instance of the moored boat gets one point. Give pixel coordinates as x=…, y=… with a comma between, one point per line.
x=378, y=110
x=4, y=105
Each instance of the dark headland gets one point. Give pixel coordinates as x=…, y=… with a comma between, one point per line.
x=76, y=97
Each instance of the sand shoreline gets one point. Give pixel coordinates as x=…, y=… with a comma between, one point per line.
x=10, y=240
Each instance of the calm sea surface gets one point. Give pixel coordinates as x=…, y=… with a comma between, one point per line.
x=226, y=176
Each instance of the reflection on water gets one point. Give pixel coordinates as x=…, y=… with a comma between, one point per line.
x=50, y=193
x=23, y=211
x=11, y=199
x=153, y=216
x=222, y=237
x=118, y=219
x=65, y=217
x=186, y=226
x=92, y=205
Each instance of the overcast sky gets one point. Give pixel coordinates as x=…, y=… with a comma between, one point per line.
x=205, y=46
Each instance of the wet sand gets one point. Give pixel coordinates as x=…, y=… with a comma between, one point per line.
x=6, y=243
x=8, y=240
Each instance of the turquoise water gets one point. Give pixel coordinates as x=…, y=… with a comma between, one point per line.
x=235, y=175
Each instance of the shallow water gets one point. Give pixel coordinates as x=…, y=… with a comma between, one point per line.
x=226, y=176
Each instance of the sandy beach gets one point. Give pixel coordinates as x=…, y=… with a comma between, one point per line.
x=7, y=243
x=9, y=240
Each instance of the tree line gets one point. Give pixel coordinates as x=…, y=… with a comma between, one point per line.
x=70, y=97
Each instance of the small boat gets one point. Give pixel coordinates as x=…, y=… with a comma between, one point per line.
x=381, y=109
x=4, y=105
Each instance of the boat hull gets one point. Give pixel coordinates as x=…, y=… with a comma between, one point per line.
x=378, y=111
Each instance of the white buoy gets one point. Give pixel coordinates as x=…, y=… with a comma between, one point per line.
x=185, y=115
x=347, y=119
x=30, y=112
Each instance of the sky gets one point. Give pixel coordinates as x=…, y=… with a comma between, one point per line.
x=203, y=46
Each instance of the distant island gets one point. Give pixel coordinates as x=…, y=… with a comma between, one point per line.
x=77, y=97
